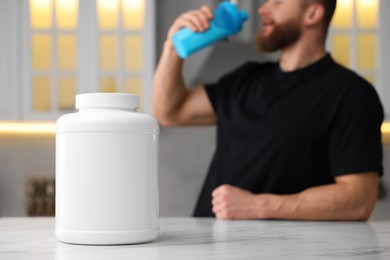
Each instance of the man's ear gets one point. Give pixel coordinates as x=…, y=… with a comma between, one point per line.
x=314, y=14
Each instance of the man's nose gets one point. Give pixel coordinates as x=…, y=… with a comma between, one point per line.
x=263, y=9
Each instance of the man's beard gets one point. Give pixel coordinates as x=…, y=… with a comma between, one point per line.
x=280, y=37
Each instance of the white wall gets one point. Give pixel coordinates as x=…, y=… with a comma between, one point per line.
x=20, y=158
x=384, y=57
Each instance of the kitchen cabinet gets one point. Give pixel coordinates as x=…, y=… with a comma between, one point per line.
x=64, y=47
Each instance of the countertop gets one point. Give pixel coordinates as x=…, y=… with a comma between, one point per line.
x=207, y=238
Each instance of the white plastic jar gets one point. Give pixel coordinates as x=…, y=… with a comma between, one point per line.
x=106, y=172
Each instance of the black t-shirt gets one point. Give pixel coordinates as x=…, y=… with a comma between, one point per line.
x=282, y=133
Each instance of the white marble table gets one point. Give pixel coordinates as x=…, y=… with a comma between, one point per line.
x=191, y=238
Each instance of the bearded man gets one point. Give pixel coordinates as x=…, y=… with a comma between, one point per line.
x=296, y=139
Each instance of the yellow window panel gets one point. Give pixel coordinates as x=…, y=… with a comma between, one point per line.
x=108, y=53
x=367, y=51
x=134, y=52
x=67, y=52
x=341, y=49
x=367, y=13
x=66, y=93
x=41, y=51
x=133, y=14
x=134, y=86
x=67, y=14
x=108, y=85
x=41, y=94
x=342, y=17
x=41, y=12
x=107, y=14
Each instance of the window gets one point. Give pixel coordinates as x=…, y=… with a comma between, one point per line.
x=121, y=46
x=51, y=77
x=353, y=38
x=74, y=46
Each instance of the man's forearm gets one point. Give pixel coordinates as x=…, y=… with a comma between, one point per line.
x=168, y=85
x=329, y=202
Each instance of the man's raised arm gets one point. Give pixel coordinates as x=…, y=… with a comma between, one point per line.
x=173, y=104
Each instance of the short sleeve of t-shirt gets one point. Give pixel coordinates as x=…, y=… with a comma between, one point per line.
x=218, y=90
x=355, y=138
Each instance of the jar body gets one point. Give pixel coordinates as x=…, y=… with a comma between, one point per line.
x=106, y=178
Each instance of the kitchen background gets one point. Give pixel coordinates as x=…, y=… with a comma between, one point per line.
x=39, y=89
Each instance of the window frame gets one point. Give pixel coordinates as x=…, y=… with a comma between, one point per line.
x=87, y=73
x=354, y=33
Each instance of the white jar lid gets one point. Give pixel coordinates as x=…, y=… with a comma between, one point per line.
x=107, y=100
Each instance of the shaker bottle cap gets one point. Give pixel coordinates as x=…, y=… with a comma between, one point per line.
x=229, y=17
x=243, y=15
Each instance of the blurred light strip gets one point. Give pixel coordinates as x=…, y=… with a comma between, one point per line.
x=49, y=128
x=386, y=133
x=27, y=128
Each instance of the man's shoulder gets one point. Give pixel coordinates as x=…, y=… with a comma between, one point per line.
x=345, y=74
x=353, y=87
x=350, y=80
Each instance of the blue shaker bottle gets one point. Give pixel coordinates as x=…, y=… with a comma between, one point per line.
x=227, y=21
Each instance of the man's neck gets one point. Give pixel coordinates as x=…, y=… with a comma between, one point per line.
x=299, y=56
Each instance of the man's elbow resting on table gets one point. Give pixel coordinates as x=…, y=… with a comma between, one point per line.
x=363, y=188
x=352, y=197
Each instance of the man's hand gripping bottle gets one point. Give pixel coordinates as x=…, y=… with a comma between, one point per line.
x=227, y=21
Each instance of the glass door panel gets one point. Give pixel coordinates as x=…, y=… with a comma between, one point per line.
x=367, y=14
x=341, y=50
x=67, y=14
x=67, y=87
x=134, y=49
x=107, y=13
x=133, y=14
x=41, y=52
x=41, y=14
x=42, y=94
x=108, y=52
x=367, y=51
x=342, y=18
x=67, y=52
